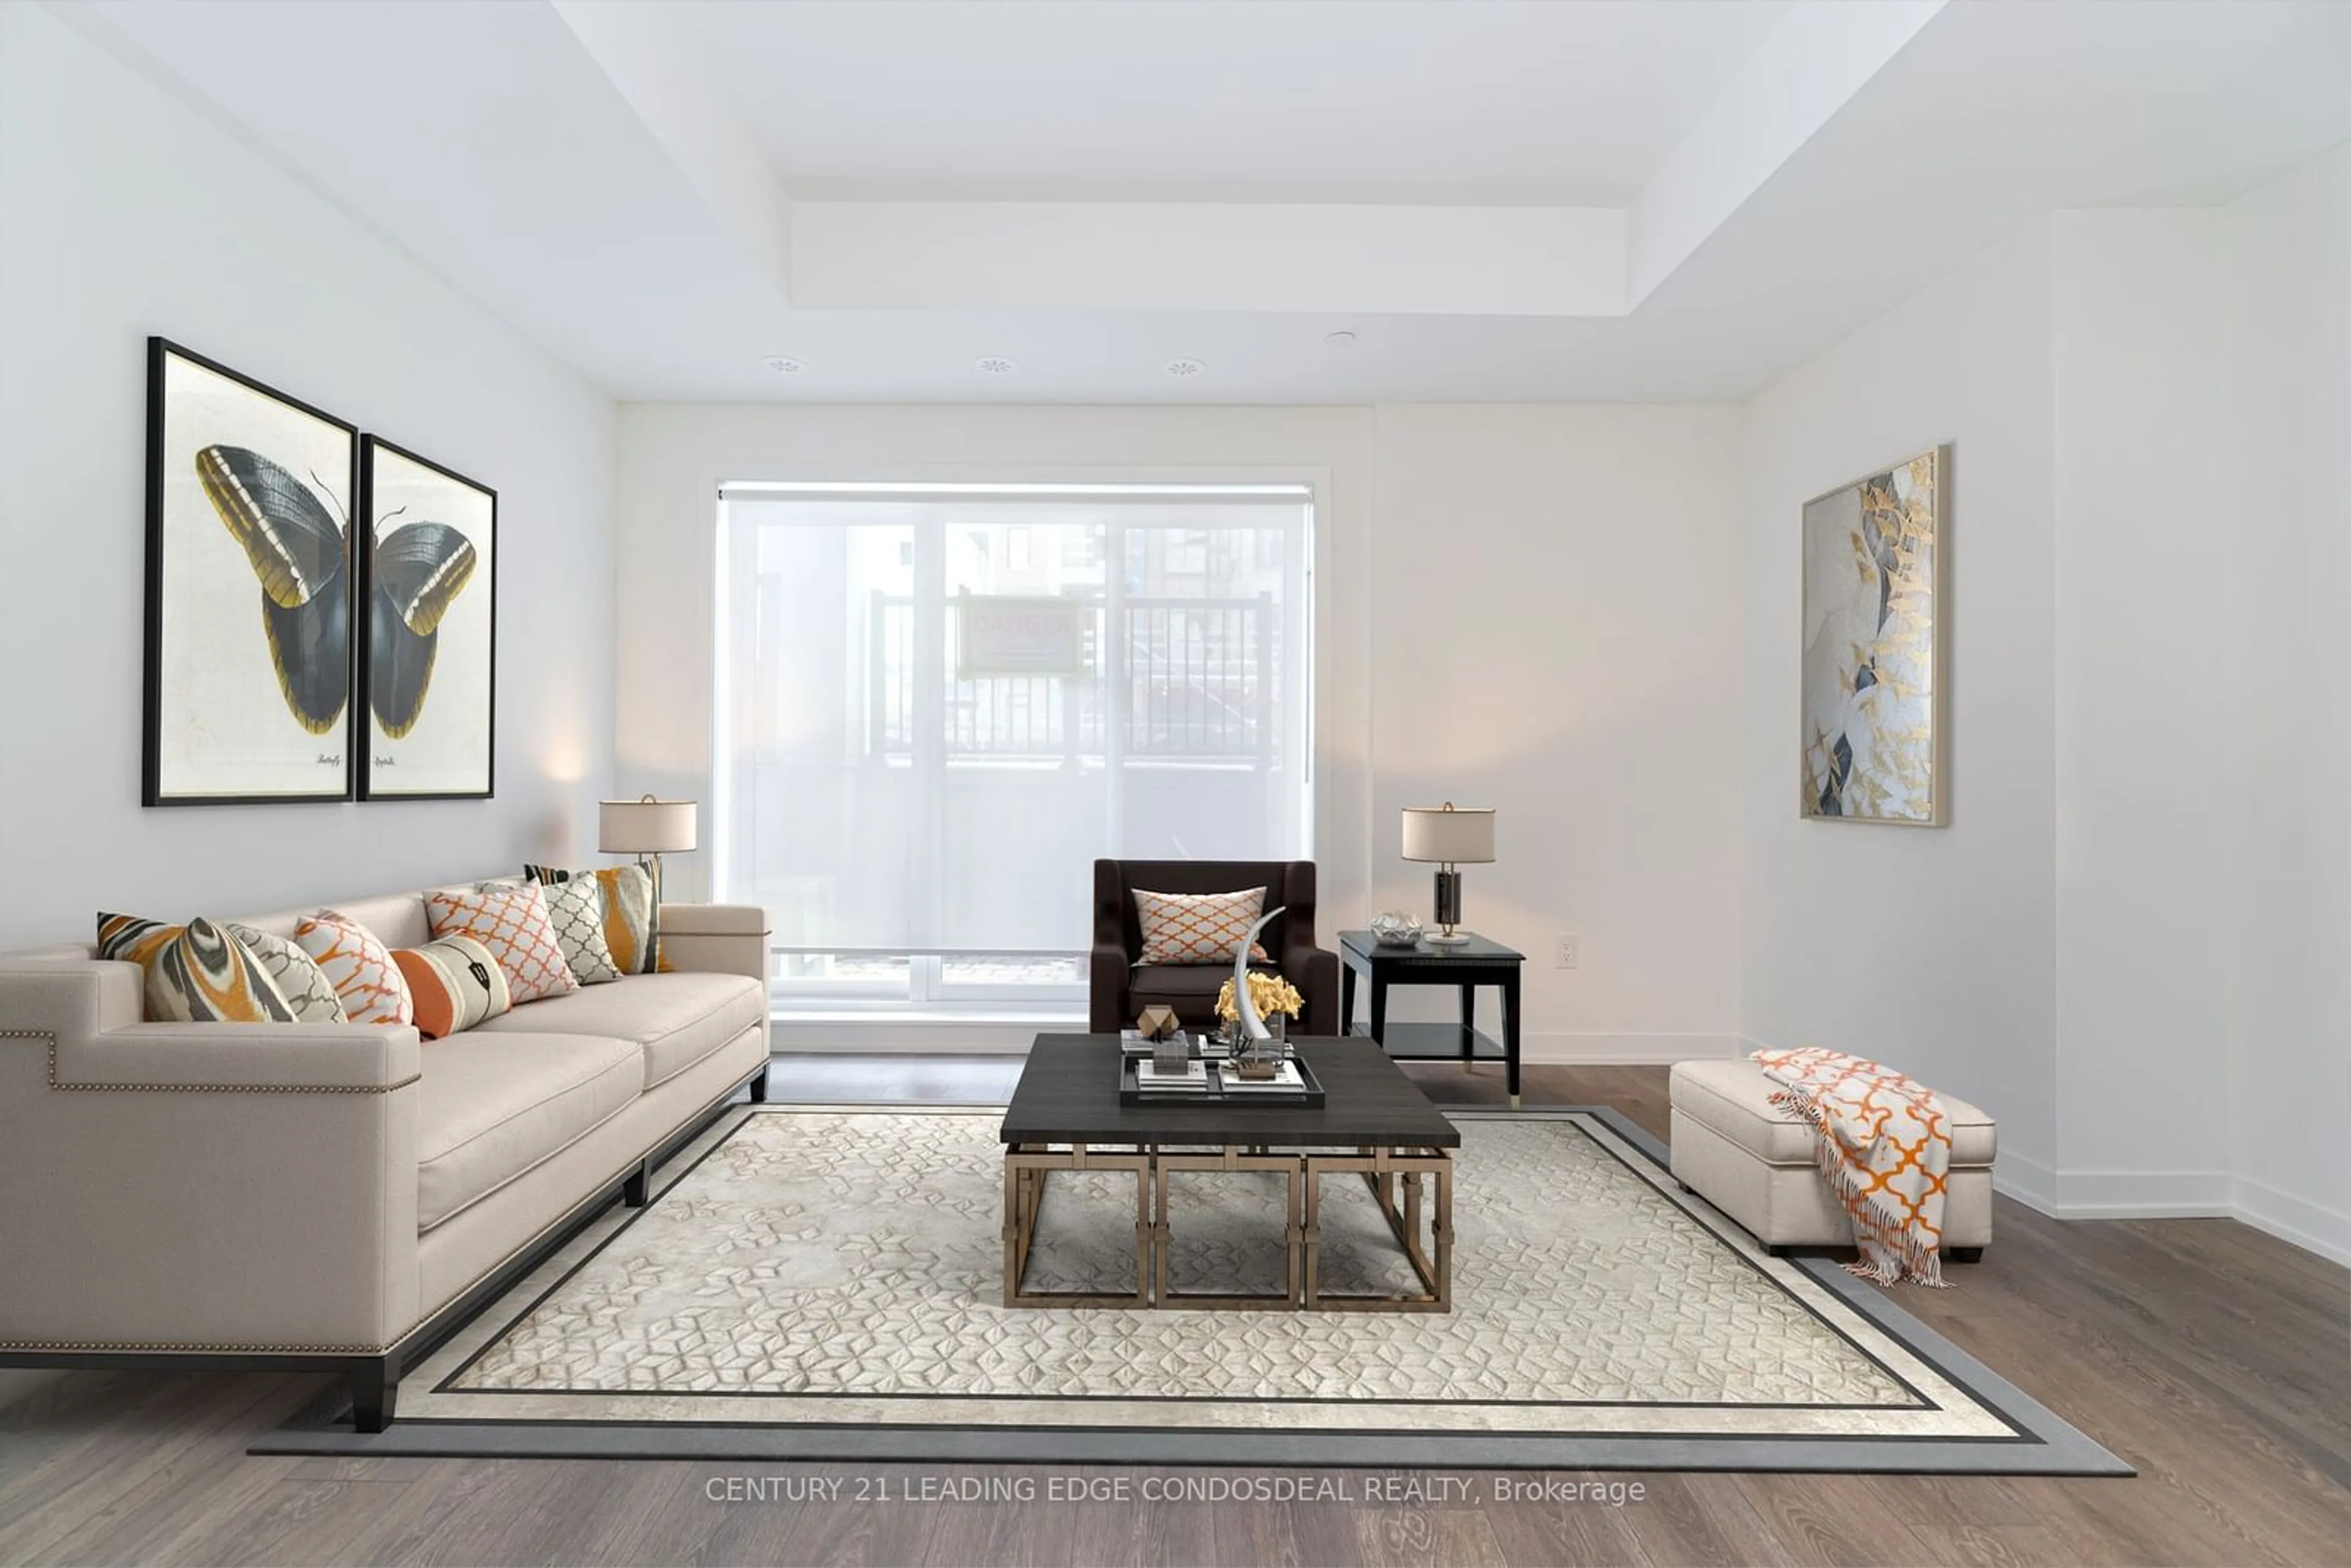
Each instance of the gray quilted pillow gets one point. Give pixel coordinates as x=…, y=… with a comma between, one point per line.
x=307, y=990
x=576, y=910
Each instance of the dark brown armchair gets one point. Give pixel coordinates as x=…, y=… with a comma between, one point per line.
x=1122, y=987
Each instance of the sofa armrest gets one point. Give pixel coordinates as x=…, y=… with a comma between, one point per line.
x=1315, y=972
x=1108, y=970
x=716, y=938
x=219, y=1187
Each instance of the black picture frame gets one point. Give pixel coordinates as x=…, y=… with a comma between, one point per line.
x=379, y=627
x=173, y=750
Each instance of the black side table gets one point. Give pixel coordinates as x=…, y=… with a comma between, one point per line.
x=1467, y=965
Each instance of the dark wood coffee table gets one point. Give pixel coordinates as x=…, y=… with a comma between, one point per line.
x=1065, y=1115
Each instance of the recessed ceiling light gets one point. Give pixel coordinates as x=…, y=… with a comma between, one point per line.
x=1179, y=368
x=994, y=365
x=785, y=365
x=1341, y=340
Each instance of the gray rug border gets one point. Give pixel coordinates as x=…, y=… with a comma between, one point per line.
x=2052, y=1446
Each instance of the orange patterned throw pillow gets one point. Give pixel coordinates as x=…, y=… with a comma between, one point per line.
x=1198, y=927
x=195, y=973
x=358, y=966
x=510, y=920
x=456, y=982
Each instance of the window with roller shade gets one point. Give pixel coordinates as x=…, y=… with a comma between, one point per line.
x=937, y=705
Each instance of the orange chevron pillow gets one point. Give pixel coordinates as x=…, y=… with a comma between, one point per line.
x=1198, y=927
x=357, y=964
x=510, y=919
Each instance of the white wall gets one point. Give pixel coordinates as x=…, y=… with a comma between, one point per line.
x=2143, y=525
x=1554, y=608
x=1479, y=573
x=128, y=213
x=2130, y=944
x=1928, y=949
x=2288, y=783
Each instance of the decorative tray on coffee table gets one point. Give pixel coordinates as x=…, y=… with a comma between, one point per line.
x=1212, y=1081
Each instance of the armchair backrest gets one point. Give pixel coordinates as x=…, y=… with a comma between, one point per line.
x=1289, y=885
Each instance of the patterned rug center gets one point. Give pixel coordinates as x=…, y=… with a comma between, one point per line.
x=861, y=1253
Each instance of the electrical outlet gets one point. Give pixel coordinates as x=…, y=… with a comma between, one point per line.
x=1569, y=952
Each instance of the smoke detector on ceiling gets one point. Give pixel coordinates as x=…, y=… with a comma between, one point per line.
x=994, y=365
x=785, y=365
x=1341, y=339
x=1180, y=368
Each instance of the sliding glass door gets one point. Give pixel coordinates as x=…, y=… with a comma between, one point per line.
x=938, y=706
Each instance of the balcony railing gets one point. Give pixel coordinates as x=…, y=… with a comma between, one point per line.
x=1202, y=679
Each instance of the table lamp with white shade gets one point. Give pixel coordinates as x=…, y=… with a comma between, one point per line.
x=1450, y=836
x=647, y=828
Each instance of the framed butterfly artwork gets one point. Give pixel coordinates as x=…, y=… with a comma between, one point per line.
x=250, y=602
x=427, y=695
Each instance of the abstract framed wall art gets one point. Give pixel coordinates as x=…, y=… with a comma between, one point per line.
x=428, y=640
x=249, y=602
x=1874, y=679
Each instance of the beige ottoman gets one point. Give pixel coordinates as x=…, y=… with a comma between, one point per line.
x=1754, y=1161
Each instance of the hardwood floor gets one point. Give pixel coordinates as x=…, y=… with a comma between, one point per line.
x=2215, y=1359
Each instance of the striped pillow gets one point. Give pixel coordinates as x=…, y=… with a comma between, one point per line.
x=510, y=920
x=195, y=973
x=456, y=983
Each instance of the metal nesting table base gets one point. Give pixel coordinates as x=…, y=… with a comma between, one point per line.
x=1424, y=1177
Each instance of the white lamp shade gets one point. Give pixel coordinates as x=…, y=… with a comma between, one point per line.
x=1448, y=835
x=646, y=827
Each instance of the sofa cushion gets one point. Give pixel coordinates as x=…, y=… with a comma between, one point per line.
x=674, y=1019
x=1190, y=989
x=1734, y=1097
x=491, y=1107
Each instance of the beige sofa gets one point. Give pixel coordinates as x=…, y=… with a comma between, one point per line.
x=334, y=1196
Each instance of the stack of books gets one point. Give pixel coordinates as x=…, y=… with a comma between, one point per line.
x=1285, y=1080
x=1150, y=1080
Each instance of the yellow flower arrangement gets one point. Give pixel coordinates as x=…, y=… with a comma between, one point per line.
x=1269, y=993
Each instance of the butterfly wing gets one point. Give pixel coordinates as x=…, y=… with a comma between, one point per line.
x=419, y=570
x=293, y=541
x=296, y=548
x=422, y=568
x=310, y=644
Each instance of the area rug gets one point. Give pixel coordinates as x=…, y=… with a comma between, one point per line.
x=826, y=1282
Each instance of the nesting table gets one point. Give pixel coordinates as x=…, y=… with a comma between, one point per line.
x=1373, y=1122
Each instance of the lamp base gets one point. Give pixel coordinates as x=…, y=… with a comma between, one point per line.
x=1449, y=910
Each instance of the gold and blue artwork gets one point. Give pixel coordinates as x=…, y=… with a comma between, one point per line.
x=1872, y=676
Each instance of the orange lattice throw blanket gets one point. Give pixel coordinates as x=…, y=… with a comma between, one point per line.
x=1884, y=1145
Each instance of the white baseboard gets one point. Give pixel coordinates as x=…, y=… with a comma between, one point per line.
x=2143, y=1195
x=2174, y=1195
x=2313, y=1227
x=2028, y=1181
